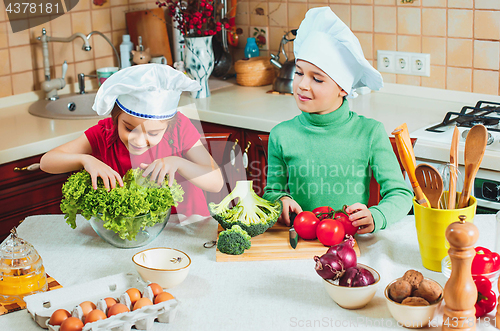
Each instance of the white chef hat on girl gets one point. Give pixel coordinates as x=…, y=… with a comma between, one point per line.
x=150, y=91
x=325, y=41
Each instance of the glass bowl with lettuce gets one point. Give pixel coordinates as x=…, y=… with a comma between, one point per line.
x=126, y=217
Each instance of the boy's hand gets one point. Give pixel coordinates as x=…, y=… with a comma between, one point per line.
x=288, y=206
x=97, y=168
x=160, y=168
x=360, y=215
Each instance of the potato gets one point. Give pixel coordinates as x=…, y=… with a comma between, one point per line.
x=400, y=290
x=413, y=277
x=415, y=301
x=428, y=290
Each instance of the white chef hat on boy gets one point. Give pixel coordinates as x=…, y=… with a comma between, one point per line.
x=325, y=41
x=150, y=91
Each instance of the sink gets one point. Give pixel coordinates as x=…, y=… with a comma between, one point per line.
x=76, y=106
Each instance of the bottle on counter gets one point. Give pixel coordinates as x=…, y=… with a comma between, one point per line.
x=125, y=48
x=251, y=49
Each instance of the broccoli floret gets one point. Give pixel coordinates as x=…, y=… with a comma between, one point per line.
x=252, y=213
x=233, y=241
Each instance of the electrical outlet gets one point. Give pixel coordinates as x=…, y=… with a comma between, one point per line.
x=261, y=35
x=421, y=64
x=385, y=61
x=402, y=63
x=417, y=64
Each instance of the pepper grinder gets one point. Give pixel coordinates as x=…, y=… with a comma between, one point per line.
x=460, y=293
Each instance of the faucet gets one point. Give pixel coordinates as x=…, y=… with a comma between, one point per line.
x=50, y=86
x=81, y=76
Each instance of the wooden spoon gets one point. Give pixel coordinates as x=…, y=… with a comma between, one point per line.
x=453, y=170
x=475, y=145
x=431, y=183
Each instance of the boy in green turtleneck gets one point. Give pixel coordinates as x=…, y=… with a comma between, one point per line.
x=326, y=155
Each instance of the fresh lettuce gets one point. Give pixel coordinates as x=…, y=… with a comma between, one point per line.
x=138, y=196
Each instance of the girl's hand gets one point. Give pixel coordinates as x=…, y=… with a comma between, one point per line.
x=97, y=168
x=160, y=168
x=288, y=206
x=360, y=215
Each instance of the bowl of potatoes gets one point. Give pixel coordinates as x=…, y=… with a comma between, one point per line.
x=413, y=299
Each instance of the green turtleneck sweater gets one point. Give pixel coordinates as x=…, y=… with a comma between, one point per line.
x=328, y=160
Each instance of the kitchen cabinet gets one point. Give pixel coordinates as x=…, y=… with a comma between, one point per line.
x=24, y=193
x=241, y=157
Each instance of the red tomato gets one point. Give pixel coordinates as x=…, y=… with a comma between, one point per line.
x=344, y=219
x=305, y=225
x=321, y=212
x=330, y=232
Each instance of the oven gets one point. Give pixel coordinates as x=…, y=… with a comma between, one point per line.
x=434, y=142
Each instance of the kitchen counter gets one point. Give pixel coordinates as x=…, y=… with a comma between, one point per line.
x=257, y=295
x=23, y=135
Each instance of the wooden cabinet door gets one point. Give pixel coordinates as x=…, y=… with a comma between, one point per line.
x=256, y=148
x=223, y=143
x=26, y=193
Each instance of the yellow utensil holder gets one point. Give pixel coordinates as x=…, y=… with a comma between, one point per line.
x=431, y=226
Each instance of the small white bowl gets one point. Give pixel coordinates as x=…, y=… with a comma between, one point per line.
x=166, y=266
x=412, y=317
x=352, y=297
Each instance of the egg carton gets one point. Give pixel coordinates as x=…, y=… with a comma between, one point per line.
x=42, y=305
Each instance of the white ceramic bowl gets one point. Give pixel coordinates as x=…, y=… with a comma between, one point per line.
x=352, y=297
x=412, y=317
x=166, y=266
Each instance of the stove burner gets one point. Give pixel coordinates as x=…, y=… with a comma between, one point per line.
x=470, y=122
x=486, y=113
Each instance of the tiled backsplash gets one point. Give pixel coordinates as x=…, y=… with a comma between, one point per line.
x=462, y=36
x=21, y=65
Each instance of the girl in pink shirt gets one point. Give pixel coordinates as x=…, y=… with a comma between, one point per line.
x=145, y=131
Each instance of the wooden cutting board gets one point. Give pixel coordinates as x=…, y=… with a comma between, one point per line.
x=150, y=24
x=274, y=245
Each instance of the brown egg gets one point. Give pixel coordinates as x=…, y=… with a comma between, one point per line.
x=164, y=296
x=59, y=316
x=110, y=302
x=95, y=315
x=117, y=309
x=156, y=288
x=87, y=307
x=72, y=324
x=134, y=294
x=142, y=302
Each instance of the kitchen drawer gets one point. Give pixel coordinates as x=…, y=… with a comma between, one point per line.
x=9, y=177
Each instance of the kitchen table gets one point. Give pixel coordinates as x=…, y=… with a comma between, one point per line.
x=258, y=295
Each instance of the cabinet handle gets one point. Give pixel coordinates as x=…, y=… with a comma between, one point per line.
x=245, y=155
x=232, y=154
x=32, y=167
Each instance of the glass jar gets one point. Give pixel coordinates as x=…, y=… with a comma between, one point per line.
x=21, y=270
x=145, y=235
x=251, y=49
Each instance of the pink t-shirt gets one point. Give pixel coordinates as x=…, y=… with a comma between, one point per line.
x=107, y=147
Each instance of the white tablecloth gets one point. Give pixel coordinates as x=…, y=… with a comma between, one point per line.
x=260, y=295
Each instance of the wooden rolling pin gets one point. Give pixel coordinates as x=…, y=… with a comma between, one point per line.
x=406, y=156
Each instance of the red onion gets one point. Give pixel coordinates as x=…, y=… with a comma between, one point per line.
x=345, y=252
x=356, y=277
x=329, y=266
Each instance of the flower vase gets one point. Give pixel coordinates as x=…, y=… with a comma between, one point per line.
x=199, y=62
